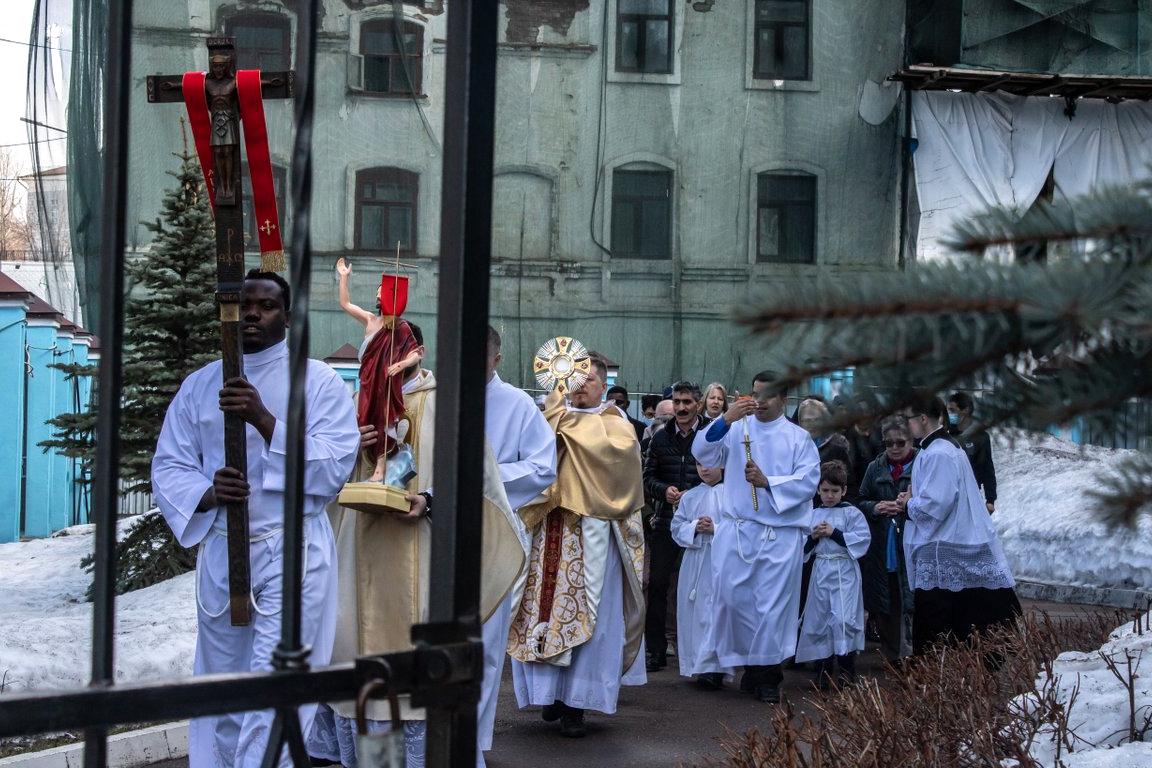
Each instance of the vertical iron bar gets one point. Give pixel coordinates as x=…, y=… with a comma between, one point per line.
x=301, y=273
x=117, y=97
x=905, y=178
x=290, y=655
x=462, y=318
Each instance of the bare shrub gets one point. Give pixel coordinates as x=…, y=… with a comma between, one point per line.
x=953, y=707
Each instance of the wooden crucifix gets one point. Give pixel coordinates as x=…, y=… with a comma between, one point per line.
x=217, y=102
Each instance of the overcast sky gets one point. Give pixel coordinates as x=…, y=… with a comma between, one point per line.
x=15, y=24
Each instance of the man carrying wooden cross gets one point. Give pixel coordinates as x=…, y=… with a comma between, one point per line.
x=218, y=472
x=192, y=485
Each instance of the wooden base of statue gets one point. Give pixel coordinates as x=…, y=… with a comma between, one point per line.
x=374, y=498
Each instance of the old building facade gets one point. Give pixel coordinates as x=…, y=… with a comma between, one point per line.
x=657, y=162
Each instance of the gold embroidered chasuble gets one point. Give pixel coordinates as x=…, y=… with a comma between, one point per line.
x=598, y=478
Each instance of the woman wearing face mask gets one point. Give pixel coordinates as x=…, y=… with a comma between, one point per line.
x=976, y=444
x=887, y=597
x=715, y=400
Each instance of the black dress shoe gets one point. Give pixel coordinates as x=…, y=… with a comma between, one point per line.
x=767, y=693
x=711, y=681
x=552, y=712
x=656, y=663
x=572, y=723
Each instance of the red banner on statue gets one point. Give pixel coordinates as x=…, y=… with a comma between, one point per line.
x=393, y=295
x=251, y=103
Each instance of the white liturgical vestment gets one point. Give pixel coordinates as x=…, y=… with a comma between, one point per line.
x=695, y=591
x=833, y=622
x=190, y=450
x=525, y=448
x=950, y=541
x=757, y=552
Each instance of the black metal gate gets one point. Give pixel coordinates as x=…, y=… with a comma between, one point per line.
x=443, y=671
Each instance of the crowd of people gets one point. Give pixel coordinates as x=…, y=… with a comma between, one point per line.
x=875, y=458
x=600, y=533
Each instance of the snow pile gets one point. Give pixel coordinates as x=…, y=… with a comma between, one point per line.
x=1098, y=703
x=1050, y=529
x=46, y=625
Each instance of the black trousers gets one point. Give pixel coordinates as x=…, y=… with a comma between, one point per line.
x=952, y=617
x=663, y=559
x=772, y=674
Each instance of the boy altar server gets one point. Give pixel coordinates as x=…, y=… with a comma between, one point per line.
x=693, y=526
x=832, y=629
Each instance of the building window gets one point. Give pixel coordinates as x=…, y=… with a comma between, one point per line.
x=782, y=40
x=392, y=56
x=386, y=209
x=642, y=214
x=644, y=36
x=279, y=184
x=786, y=218
x=262, y=40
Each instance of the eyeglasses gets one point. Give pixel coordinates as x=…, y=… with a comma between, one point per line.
x=895, y=443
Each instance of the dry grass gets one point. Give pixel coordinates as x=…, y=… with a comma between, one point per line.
x=948, y=709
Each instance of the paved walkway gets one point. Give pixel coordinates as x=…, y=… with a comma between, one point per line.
x=666, y=723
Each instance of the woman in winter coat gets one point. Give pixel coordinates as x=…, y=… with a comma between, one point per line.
x=887, y=597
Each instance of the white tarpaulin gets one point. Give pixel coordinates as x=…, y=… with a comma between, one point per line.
x=979, y=150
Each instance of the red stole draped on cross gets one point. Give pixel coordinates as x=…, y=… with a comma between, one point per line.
x=248, y=95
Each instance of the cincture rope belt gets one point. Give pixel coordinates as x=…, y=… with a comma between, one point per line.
x=707, y=547
x=271, y=532
x=768, y=535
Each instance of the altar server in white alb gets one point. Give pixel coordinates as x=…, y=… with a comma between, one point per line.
x=192, y=486
x=832, y=629
x=525, y=448
x=771, y=470
x=693, y=526
x=960, y=580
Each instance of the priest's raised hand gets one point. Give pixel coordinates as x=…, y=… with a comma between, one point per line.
x=744, y=406
x=240, y=397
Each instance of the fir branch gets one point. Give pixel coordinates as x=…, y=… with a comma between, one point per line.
x=1128, y=491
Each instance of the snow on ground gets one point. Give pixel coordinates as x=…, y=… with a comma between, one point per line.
x=46, y=625
x=1100, y=712
x=1050, y=530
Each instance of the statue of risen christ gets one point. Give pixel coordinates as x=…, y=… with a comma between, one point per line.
x=387, y=351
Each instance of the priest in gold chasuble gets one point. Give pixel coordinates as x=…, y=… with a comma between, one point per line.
x=577, y=633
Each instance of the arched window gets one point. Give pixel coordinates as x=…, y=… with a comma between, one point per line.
x=786, y=217
x=386, y=209
x=392, y=56
x=263, y=40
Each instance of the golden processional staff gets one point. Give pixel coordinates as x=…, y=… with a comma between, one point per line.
x=748, y=451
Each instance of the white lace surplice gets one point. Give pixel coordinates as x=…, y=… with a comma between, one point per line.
x=950, y=541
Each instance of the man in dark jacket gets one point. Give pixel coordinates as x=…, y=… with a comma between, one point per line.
x=669, y=471
x=887, y=596
x=975, y=442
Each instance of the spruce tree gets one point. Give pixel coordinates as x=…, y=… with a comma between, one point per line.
x=169, y=331
x=1049, y=343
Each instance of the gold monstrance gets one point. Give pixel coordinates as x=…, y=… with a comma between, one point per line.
x=562, y=364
